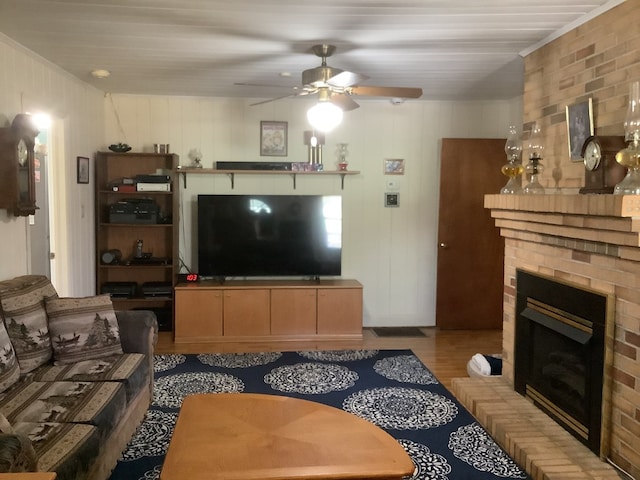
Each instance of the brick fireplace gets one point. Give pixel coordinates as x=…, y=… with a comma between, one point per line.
x=591, y=241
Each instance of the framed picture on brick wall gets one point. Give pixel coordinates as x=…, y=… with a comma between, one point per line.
x=579, y=127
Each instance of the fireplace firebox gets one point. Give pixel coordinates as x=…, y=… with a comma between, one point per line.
x=560, y=349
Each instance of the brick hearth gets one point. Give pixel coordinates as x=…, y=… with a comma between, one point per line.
x=592, y=241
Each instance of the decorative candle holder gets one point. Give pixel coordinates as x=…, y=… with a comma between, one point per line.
x=534, y=168
x=342, y=152
x=513, y=168
x=630, y=156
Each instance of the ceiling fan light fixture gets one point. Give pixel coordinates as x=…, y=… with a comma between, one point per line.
x=324, y=116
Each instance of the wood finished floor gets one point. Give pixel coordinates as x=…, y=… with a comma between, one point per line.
x=445, y=352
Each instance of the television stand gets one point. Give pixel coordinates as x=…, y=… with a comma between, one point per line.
x=261, y=310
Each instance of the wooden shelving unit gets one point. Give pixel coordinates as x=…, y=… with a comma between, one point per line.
x=160, y=240
x=232, y=173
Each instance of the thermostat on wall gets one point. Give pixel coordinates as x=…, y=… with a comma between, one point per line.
x=391, y=199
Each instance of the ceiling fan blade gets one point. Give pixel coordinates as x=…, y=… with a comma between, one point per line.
x=273, y=99
x=402, y=92
x=266, y=85
x=344, y=101
x=346, y=79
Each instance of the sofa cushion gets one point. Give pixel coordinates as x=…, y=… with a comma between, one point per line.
x=69, y=449
x=23, y=306
x=131, y=369
x=96, y=403
x=83, y=328
x=9, y=368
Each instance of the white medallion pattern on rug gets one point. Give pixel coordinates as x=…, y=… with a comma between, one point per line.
x=429, y=466
x=311, y=378
x=473, y=445
x=338, y=355
x=162, y=363
x=406, y=369
x=238, y=360
x=152, y=474
x=152, y=437
x=401, y=408
x=169, y=391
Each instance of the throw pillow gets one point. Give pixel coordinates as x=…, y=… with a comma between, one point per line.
x=83, y=328
x=9, y=368
x=22, y=300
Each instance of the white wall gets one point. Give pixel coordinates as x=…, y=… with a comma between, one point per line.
x=29, y=83
x=392, y=251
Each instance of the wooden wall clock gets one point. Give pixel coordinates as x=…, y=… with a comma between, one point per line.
x=17, y=182
x=601, y=171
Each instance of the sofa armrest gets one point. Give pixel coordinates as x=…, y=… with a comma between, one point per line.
x=16, y=454
x=138, y=331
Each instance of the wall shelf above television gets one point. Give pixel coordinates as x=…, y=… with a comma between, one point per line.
x=232, y=173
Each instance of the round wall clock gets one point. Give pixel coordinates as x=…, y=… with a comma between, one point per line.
x=601, y=171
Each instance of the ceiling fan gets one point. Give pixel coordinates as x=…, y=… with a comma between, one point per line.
x=338, y=86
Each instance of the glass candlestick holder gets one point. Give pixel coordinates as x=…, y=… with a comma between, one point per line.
x=513, y=168
x=630, y=156
x=341, y=153
x=534, y=169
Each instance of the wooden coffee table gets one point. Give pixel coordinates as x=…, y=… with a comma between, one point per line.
x=267, y=437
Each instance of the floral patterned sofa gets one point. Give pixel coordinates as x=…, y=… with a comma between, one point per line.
x=76, y=379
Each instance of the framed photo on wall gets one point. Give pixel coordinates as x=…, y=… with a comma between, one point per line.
x=273, y=139
x=394, y=166
x=83, y=170
x=579, y=127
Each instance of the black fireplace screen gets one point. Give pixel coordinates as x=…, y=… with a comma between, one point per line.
x=559, y=353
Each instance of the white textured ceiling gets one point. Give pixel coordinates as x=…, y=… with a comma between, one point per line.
x=452, y=49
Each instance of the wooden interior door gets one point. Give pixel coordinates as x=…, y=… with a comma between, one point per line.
x=470, y=248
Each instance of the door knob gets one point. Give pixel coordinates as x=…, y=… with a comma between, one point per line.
x=444, y=245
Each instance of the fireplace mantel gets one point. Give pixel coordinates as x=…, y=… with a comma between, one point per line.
x=592, y=241
x=624, y=206
x=603, y=224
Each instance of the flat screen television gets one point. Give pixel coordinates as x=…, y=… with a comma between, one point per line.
x=269, y=235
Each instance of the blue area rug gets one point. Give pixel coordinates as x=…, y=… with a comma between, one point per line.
x=390, y=388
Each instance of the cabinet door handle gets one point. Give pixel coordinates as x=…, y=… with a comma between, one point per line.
x=443, y=245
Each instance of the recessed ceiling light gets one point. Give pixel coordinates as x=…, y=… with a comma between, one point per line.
x=285, y=74
x=100, y=73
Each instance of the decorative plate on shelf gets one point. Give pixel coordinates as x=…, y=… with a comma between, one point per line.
x=119, y=147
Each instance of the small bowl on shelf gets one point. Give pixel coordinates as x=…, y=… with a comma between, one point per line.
x=119, y=147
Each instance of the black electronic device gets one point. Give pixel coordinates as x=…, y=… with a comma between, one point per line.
x=269, y=235
x=188, y=277
x=119, y=289
x=157, y=289
x=153, y=178
x=134, y=210
x=286, y=166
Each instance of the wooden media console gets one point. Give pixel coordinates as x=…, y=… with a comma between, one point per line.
x=255, y=310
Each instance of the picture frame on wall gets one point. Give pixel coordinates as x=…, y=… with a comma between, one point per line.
x=273, y=139
x=394, y=166
x=579, y=127
x=83, y=169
